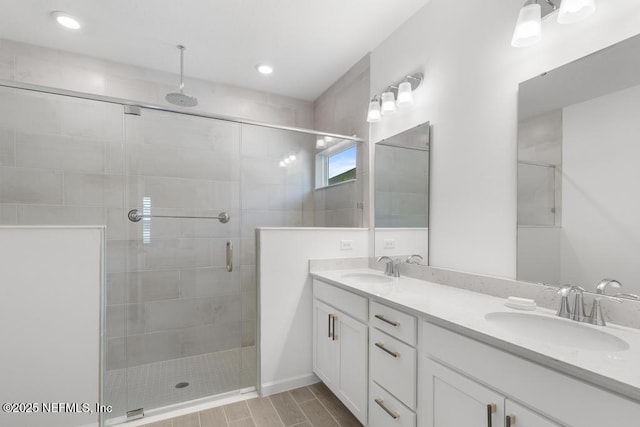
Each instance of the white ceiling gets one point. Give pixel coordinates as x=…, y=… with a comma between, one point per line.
x=310, y=43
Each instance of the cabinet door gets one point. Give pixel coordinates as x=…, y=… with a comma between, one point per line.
x=325, y=348
x=352, y=387
x=453, y=400
x=519, y=416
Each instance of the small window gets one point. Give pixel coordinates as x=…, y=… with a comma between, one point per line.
x=336, y=164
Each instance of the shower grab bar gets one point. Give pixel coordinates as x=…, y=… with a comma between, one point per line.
x=135, y=216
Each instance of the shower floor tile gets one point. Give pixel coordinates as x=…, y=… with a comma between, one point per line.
x=153, y=385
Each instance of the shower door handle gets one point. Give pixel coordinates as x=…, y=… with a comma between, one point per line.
x=229, y=256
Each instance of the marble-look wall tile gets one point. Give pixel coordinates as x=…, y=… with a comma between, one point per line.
x=341, y=108
x=210, y=281
x=57, y=74
x=211, y=338
x=146, y=286
x=7, y=67
x=59, y=152
x=176, y=162
x=30, y=111
x=30, y=186
x=249, y=333
x=115, y=353
x=178, y=314
x=177, y=253
x=93, y=190
x=153, y=347
x=59, y=69
x=8, y=214
x=59, y=215
x=7, y=147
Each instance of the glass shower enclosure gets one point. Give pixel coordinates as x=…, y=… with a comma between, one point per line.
x=180, y=297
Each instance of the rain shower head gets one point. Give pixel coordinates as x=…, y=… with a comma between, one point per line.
x=180, y=98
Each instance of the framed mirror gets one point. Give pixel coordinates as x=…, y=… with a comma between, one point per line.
x=401, y=193
x=578, y=174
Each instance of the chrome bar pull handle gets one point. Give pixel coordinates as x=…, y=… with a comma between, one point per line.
x=386, y=350
x=229, y=256
x=391, y=413
x=491, y=408
x=384, y=319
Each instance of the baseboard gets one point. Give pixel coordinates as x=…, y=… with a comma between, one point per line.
x=287, y=384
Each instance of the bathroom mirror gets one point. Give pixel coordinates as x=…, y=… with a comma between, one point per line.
x=578, y=173
x=401, y=198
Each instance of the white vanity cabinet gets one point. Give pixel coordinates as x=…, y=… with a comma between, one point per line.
x=340, y=345
x=466, y=382
x=459, y=401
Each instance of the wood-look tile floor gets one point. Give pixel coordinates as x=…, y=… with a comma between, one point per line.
x=312, y=406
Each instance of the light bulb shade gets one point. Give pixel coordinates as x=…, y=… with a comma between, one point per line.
x=321, y=143
x=374, y=115
x=575, y=10
x=529, y=26
x=388, y=102
x=405, y=94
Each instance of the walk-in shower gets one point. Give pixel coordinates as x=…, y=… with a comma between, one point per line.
x=181, y=195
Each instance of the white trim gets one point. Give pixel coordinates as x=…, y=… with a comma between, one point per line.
x=270, y=388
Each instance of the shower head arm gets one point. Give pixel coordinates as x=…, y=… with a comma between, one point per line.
x=182, y=48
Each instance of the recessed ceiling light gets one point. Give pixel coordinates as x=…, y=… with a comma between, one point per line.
x=264, y=68
x=66, y=20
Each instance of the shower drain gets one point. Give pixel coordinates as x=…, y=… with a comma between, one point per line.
x=182, y=385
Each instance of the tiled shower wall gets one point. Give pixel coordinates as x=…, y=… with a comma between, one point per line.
x=70, y=161
x=343, y=109
x=27, y=63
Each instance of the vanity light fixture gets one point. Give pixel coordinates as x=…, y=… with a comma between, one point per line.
x=388, y=102
x=321, y=143
x=575, y=10
x=405, y=94
x=374, y=114
x=66, y=20
x=528, y=29
x=395, y=96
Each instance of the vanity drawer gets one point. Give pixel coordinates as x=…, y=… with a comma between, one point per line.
x=394, y=322
x=379, y=399
x=347, y=302
x=393, y=365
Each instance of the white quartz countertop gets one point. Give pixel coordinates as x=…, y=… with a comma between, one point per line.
x=464, y=312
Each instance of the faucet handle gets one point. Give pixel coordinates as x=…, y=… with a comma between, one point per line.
x=605, y=283
x=564, y=310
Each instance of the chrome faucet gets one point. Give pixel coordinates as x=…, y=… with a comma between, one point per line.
x=393, y=266
x=578, y=313
x=389, y=270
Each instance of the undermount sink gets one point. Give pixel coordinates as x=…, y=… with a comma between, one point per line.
x=367, y=277
x=559, y=331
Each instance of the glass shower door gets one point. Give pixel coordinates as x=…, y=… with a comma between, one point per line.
x=182, y=288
